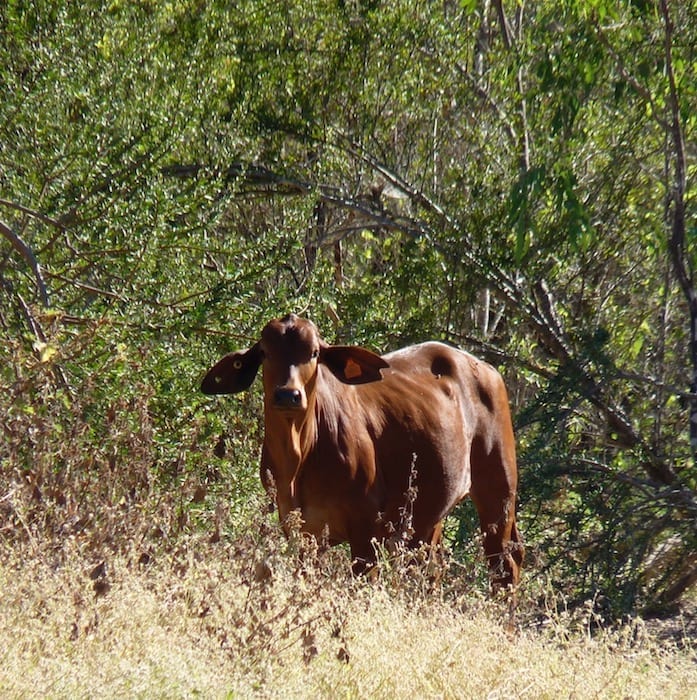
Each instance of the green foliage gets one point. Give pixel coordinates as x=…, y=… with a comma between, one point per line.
x=182, y=172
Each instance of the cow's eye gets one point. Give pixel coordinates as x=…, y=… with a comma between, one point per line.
x=315, y=354
x=237, y=364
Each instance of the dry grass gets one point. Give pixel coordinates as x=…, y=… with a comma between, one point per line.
x=252, y=618
x=104, y=594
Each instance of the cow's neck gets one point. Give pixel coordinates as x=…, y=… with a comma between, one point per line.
x=293, y=440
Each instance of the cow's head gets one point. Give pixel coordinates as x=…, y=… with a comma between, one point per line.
x=290, y=351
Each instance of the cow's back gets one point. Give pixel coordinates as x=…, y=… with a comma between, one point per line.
x=484, y=407
x=428, y=370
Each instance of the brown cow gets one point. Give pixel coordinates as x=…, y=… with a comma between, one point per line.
x=346, y=430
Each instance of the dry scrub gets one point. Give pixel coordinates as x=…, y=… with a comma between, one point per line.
x=117, y=580
x=259, y=617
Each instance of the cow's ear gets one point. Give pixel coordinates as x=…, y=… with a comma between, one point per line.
x=352, y=365
x=234, y=373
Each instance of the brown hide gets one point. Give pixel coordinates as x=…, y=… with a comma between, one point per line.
x=346, y=430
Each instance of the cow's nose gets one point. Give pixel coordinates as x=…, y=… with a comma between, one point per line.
x=287, y=398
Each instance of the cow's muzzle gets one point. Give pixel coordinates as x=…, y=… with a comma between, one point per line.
x=287, y=398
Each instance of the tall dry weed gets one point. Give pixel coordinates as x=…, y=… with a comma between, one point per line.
x=259, y=616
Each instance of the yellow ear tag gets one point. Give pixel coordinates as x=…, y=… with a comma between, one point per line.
x=352, y=369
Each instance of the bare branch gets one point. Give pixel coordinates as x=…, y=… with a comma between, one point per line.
x=641, y=90
x=87, y=287
x=31, y=212
x=503, y=22
x=416, y=196
x=681, y=263
x=677, y=243
x=41, y=339
x=28, y=254
x=486, y=97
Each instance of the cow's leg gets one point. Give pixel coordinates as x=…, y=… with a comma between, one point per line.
x=494, y=483
x=502, y=543
x=437, y=535
x=436, y=559
x=363, y=555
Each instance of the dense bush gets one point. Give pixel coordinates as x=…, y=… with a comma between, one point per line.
x=511, y=179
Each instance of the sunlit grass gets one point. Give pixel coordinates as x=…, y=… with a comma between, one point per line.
x=252, y=618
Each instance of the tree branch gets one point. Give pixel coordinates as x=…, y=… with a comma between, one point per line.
x=31, y=212
x=640, y=89
x=503, y=23
x=28, y=254
x=676, y=244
